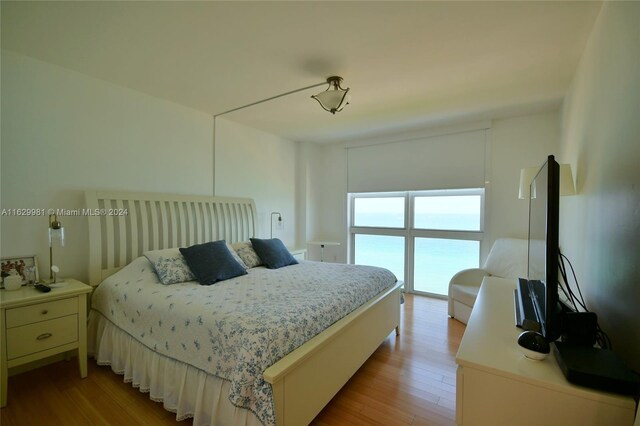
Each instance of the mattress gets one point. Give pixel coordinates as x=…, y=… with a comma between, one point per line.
x=236, y=328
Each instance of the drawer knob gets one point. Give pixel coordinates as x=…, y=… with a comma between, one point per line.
x=44, y=312
x=44, y=336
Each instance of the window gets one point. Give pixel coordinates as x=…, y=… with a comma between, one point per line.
x=381, y=212
x=436, y=260
x=380, y=250
x=423, y=237
x=448, y=212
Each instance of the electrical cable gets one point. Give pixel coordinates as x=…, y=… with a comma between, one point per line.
x=564, y=287
x=575, y=279
x=574, y=298
x=602, y=338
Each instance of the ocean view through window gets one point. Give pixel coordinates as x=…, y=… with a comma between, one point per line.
x=423, y=237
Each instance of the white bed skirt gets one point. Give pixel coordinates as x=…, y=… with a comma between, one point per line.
x=183, y=389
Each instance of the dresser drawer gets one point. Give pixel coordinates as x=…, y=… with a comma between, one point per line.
x=41, y=312
x=41, y=336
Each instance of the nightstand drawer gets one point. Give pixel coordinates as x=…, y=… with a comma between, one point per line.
x=41, y=312
x=41, y=336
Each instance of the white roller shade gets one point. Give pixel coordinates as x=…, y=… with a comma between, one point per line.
x=437, y=162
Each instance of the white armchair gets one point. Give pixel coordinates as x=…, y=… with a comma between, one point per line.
x=507, y=259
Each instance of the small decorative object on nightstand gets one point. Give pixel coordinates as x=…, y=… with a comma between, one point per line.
x=26, y=266
x=13, y=281
x=36, y=325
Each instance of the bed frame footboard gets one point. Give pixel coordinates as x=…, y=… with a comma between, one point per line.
x=304, y=381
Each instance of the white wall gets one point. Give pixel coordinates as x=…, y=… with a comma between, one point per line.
x=329, y=200
x=516, y=143
x=600, y=227
x=64, y=132
x=513, y=143
x=252, y=163
x=306, y=207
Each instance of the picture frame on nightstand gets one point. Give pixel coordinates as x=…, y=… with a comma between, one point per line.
x=26, y=266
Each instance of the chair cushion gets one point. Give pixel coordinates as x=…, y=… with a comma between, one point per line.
x=508, y=258
x=466, y=294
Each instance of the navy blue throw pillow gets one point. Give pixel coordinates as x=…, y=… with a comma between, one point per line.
x=273, y=253
x=212, y=262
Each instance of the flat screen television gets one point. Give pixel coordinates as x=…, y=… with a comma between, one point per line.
x=543, y=251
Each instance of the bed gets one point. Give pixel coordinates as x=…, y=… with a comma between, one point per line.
x=302, y=362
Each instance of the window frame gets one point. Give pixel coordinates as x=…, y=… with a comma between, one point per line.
x=409, y=232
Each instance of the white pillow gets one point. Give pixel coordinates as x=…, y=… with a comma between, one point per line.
x=236, y=256
x=170, y=266
x=247, y=254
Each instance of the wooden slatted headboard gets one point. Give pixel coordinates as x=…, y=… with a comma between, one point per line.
x=123, y=225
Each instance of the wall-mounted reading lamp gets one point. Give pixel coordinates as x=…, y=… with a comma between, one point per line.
x=279, y=221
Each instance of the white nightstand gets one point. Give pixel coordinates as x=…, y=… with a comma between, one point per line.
x=322, y=245
x=298, y=254
x=36, y=325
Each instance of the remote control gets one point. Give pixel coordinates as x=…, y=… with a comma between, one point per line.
x=42, y=287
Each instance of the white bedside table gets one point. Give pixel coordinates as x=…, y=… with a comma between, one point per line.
x=298, y=254
x=35, y=325
x=322, y=245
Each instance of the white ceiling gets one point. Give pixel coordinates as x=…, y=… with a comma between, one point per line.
x=408, y=64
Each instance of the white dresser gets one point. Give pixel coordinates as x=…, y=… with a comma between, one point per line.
x=497, y=385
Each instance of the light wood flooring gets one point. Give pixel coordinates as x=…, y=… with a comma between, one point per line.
x=409, y=380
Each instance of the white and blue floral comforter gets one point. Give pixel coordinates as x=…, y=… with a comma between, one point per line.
x=237, y=328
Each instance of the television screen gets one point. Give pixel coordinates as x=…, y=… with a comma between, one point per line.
x=543, y=246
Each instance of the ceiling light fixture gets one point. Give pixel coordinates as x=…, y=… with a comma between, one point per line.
x=335, y=98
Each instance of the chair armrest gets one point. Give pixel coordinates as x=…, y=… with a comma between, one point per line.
x=472, y=276
x=467, y=277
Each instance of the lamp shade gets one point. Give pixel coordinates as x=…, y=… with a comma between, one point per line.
x=335, y=98
x=56, y=235
x=526, y=177
x=56, y=231
x=566, y=181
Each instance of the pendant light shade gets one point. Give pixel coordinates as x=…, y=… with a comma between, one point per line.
x=335, y=97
